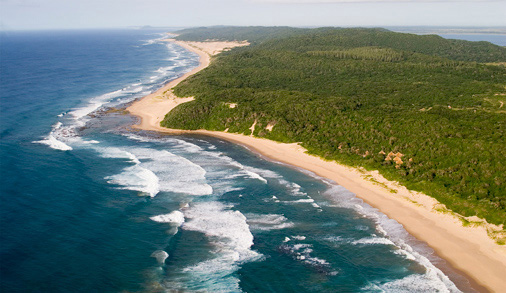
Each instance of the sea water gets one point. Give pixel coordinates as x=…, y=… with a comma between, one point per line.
x=90, y=205
x=497, y=39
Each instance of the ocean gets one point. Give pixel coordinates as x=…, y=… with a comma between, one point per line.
x=498, y=39
x=90, y=205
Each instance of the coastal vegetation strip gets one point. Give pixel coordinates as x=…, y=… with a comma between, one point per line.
x=422, y=110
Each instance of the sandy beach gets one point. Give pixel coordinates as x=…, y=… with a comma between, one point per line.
x=468, y=249
x=153, y=107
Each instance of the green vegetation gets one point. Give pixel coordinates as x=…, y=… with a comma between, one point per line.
x=304, y=40
x=420, y=109
x=253, y=34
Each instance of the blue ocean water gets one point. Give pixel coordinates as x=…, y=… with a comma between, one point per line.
x=498, y=39
x=89, y=205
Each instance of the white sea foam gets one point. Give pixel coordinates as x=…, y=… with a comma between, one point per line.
x=116, y=153
x=267, y=222
x=227, y=188
x=338, y=239
x=305, y=200
x=415, y=283
x=80, y=113
x=294, y=188
x=317, y=261
x=176, y=173
x=302, y=252
x=175, y=217
x=164, y=70
x=56, y=136
x=91, y=141
x=406, y=254
x=133, y=177
x=154, y=41
x=186, y=146
x=228, y=226
x=53, y=143
x=273, y=198
x=175, y=144
x=244, y=171
x=138, y=179
x=230, y=234
x=394, y=234
x=373, y=240
x=93, y=104
x=299, y=246
x=213, y=275
x=263, y=172
x=251, y=172
x=160, y=256
x=137, y=137
x=157, y=170
x=363, y=241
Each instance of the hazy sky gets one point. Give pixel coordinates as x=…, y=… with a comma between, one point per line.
x=60, y=14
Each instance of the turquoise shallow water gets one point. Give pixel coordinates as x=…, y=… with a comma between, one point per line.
x=88, y=205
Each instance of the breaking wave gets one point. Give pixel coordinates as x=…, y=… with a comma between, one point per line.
x=268, y=222
x=229, y=232
x=393, y=233
x=175, y=217
x=150, y=173
x=64, y=135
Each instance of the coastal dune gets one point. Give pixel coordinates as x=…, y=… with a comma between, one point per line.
x=468, y=249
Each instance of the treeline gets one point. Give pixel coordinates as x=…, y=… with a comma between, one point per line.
x=253, y=34
x=326, y=39
x=434, y=124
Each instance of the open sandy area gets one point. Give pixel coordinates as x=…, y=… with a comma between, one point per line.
x=468, y=249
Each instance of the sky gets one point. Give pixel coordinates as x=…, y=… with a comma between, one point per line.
x=77, y=14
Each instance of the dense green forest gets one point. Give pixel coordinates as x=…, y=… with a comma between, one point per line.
x=423, y=110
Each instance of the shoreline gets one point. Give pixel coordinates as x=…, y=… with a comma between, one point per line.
x=153, y=107
x=469, y=250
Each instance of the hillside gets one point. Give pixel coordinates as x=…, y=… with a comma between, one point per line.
x=423, y=110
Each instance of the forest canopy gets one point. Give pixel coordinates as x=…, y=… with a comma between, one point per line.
x=423, y=110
